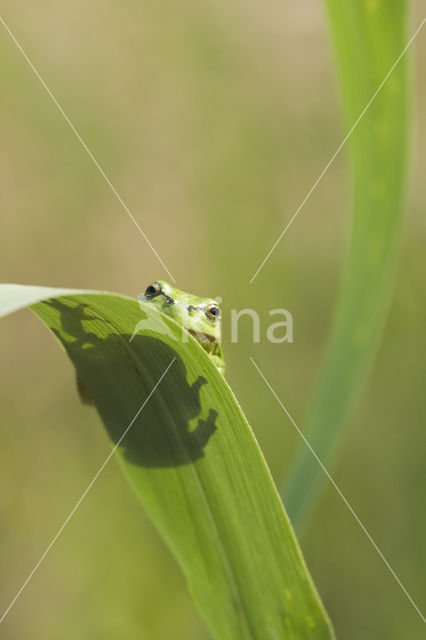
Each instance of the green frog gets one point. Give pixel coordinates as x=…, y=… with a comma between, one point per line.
x=199, y=316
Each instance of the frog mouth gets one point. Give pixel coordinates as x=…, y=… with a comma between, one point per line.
x=201, y=336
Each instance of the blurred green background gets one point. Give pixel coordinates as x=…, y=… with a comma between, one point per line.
x=212, y=120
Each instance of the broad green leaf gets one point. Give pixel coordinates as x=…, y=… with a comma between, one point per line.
x=369, y=36
x=192, y=459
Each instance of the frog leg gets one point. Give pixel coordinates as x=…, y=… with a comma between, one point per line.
x=216, y=356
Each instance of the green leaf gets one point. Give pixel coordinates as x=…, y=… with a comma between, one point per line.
x=369, y=39
x=192, y=459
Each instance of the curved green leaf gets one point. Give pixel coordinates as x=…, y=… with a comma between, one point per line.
x=192, y=459
x=370, y=37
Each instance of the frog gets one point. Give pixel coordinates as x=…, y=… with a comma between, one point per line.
x=201, y=317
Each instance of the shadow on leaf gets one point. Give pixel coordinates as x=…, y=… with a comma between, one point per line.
x=173, y=428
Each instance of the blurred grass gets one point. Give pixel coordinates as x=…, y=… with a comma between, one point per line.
x=129, y=78
x=369, y=39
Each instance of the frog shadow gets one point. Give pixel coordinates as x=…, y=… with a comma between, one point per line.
x=154, y=424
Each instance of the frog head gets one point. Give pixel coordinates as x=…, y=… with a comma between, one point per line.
x=199, y=316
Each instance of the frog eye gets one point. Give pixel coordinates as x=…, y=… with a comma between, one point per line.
x=213, y=312
x=152, y=290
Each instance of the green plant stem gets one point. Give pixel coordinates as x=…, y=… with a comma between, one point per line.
x=369, y=37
